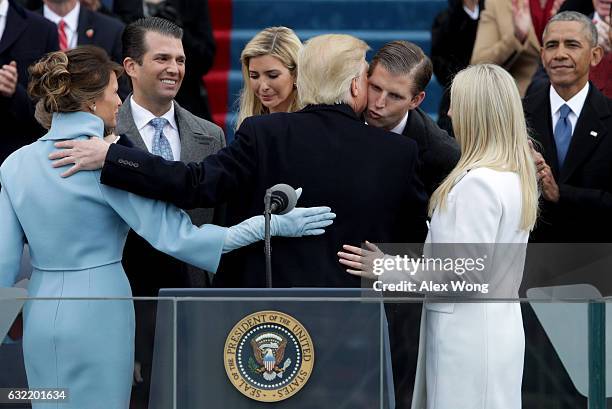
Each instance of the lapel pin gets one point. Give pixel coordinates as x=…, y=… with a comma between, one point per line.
x=594, y=134
x=89, y=33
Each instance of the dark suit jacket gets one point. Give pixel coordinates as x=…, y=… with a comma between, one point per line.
x=97, y=29
x=27, y=37
x=453, y=34
x=104, y=32
x=584, y=210
x=100, y=30
x=365, y=174
x=438, y=152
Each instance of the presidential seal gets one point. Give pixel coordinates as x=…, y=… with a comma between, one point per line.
x=269, y=356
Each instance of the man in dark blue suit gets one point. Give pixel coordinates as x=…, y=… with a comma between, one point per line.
x=86, y=27
x=367, y=175
x=572, y=122
x=24, y=39
x=78, y=25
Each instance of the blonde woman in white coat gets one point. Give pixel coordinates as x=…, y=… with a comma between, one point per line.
x=471, y=354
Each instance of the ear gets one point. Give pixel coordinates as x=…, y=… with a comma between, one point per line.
x=355, y=87
x=597, y=54
x=129, y=65
x=416, y=100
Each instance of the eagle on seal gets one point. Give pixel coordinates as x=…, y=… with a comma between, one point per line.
x=269, y=351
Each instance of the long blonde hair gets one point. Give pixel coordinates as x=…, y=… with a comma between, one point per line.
x=490, y=127
x=279, y=42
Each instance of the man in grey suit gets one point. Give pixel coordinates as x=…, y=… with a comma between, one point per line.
x=150, y=119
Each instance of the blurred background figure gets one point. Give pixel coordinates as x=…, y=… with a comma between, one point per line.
x=79, y=25
x=24, y=38
x=601, y=74
x=199, y=45
x=126, y=10
x=269, y=72
x=509, y=34
x=452, y=40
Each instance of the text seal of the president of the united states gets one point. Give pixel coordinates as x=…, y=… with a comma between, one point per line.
x=269, y=356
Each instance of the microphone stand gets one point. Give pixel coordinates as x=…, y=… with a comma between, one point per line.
x=267, y=244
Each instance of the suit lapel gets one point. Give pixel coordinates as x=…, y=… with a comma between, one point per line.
x=193, y=140
x=85, y=27
x=589, y=131
x=415, y=129
x=540, y=124
x=15, y=24
x=126, y=125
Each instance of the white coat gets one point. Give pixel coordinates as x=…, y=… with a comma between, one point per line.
x=471, y=354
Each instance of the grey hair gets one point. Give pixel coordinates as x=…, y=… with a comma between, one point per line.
x=587, y=24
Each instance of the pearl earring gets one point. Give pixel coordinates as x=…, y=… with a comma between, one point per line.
x=93, y=108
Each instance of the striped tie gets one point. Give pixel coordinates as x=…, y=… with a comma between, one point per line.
x=63, y=38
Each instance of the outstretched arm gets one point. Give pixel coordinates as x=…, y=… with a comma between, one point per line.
x=187, y=186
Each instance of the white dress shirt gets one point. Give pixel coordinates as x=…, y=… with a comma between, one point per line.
x=399, y=128
x=142, y=117
x=72, y=22
x=3, y=12
x=575, y=103
x=473, y=14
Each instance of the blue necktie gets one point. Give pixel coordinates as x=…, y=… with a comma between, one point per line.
x=563, y=134
x=161, y=146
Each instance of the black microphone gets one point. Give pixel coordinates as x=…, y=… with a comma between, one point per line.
x=283, y=198
x=279, y=199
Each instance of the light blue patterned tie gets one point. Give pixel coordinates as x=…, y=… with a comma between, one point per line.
x=161, y=146
x=563, y=134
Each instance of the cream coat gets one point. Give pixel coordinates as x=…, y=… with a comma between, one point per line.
x=471, y=354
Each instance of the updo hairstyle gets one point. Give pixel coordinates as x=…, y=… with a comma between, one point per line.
x=63, y=81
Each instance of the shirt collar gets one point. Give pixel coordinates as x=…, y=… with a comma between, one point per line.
x=575, y=103
x=597, y=17
x=399, y=128
x=473, y=14
x=4, y=8
x=142, y=116
x=71, y=19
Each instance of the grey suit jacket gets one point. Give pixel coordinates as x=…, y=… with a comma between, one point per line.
x=199, y=138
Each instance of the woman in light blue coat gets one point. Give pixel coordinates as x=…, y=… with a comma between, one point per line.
x=76, y=229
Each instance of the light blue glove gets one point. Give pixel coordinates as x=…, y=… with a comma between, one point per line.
x=301, y=221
